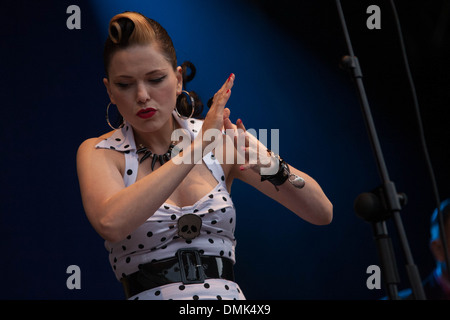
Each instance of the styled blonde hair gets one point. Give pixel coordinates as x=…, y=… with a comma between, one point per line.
x=142, y=32
x=132, y=28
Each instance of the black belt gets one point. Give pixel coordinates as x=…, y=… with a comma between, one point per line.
x=188, y=266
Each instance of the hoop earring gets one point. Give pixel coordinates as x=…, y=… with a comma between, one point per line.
x=191, y=103
x=109, y=123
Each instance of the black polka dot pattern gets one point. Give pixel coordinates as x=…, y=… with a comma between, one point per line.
x=159, y=237
x=161, y=233
x=211, y=289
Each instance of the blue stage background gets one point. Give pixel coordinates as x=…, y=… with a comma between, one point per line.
x=285, y=59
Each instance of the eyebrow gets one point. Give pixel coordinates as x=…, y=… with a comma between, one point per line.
x=147, y=74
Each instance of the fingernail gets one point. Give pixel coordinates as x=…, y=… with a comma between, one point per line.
x=239, y=121
x=228, y=90
x=230, y=76
x=241, y=168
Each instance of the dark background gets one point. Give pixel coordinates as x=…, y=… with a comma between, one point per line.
x=285, y=55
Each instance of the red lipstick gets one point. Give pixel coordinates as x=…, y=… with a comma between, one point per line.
x=146, y=113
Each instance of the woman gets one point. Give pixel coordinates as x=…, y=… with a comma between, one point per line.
x=162, y=206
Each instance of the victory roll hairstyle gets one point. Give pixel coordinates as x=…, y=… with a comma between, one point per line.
x=132, y=28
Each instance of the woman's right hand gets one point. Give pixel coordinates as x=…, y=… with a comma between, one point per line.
x=214, y=119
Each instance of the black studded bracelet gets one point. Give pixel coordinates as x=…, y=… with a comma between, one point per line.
x=283, y=174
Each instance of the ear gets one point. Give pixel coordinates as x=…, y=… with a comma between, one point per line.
x=437, y=250
x=179, y=75
x=108, y=90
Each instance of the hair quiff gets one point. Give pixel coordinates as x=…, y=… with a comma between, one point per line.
x=132, y=28
x=139, y=32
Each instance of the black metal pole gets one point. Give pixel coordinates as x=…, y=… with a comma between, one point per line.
x=389, y=197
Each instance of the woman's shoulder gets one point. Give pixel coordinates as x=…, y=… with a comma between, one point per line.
x=91, y=143
x=92, y=157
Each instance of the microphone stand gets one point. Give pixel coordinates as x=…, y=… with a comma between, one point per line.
x=384, y=202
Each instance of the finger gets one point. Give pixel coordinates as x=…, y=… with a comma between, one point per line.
x=240, y=137
x=245, y=167
x=230, y=81
x=220, y=99
x=226, y=113
x=228, y=125
x=242, y=132
x=251, y=156
x=240, y=124
x=224, y=90
x=228, y=84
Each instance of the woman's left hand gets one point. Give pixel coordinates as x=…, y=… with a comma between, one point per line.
x=251, y=153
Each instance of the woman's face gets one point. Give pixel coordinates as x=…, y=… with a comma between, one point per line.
x=144, y=86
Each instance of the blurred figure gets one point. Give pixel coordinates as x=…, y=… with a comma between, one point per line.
x=437, y=284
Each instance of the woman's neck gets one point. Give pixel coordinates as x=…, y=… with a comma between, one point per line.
x=158, y=141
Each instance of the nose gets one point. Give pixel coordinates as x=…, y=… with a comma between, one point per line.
x=142, y=94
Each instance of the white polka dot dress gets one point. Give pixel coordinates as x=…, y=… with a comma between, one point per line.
x=158, y=238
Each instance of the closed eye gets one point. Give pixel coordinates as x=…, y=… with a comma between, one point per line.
x=122, y=85
x=157, y=80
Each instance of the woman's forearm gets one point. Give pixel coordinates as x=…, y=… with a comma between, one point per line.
x=129, y=208
x=309, y=203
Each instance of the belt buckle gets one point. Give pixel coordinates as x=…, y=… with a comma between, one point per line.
x=191, y=268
